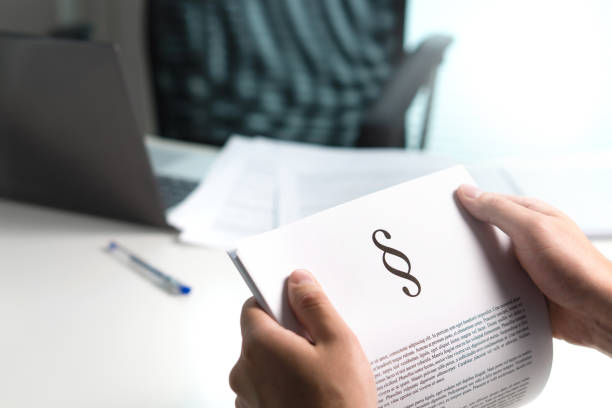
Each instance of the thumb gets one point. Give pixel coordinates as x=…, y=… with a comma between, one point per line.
x=496, y=209
x=312, y=307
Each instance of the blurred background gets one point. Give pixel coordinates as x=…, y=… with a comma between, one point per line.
x=497, y=80
x=520, y=77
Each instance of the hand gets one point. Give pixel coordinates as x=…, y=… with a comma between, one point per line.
x=278, y=368
x=566, y=267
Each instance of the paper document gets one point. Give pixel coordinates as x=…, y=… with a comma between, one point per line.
x=257, y=184
x=307, y=187
x=237, y=198
x=443, y=310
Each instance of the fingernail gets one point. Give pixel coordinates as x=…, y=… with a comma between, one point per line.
x=470, y=191
x=301, y=277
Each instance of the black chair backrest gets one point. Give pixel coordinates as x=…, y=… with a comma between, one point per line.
x=304, y=70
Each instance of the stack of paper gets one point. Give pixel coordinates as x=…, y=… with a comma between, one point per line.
x=257, y=184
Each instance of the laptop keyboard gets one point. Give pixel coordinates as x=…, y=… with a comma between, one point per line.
x=174, y=190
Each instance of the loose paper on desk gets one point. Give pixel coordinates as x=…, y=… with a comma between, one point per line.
x=257, y=184
x=443, y=310
x=326, y=179
x=237, y=198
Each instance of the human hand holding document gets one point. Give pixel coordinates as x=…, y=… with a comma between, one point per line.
x=443, y=311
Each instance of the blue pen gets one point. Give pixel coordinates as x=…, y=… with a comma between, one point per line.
x=161, y=279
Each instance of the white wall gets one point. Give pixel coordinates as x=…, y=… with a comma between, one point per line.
x=522, y=77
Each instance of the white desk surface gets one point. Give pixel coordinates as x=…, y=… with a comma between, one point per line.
x=78, y=329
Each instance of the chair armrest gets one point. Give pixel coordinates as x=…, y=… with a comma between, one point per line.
x=385, y=118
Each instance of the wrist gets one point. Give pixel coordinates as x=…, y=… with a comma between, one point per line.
x=601, y=335
x=600, y=326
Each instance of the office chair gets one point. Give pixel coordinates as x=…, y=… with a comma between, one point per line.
x=319, y=71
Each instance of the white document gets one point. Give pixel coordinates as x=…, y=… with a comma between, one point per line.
x=309, y=186
x=257, y=184
x=237, y=198
x=443, y=310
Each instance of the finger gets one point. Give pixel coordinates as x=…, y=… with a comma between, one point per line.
x=533, y=204
x=261, y=334
x=254, y=317
x=312, y=308
x=239, y=403
x=496, y=209
x=241, y=384
x=238, y=380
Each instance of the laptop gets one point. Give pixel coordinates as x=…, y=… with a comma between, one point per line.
x=69, y=138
